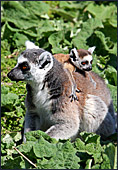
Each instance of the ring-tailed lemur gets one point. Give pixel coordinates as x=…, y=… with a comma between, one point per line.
x=81, y=59
x=48, y=106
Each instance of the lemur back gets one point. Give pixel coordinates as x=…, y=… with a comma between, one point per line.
x=48, y=106
x=65, y=60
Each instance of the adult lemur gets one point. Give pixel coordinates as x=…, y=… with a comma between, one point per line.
x=48, y=106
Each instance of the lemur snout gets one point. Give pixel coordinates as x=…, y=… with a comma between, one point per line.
x=88, y=69
x=10, y=75
x=15, y=75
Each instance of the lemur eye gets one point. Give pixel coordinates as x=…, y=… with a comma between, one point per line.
x=35, y=53
x=91, y=61
x=24, y=66
x=84, y=62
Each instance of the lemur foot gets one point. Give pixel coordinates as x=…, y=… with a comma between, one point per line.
x=73, y=97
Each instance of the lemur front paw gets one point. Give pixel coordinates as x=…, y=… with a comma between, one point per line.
x=73, y=97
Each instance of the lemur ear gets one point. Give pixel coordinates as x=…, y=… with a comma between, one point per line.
x=91, y=49
x=74, y=54
x=45, y=59
x=30, y=45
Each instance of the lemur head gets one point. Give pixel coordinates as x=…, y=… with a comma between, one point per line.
x=32, y=65
x=82, y=59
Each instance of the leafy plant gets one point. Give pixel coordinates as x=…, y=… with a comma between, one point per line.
x=42, y=152
x=56, y=26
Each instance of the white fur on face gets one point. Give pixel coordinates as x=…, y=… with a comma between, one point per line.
x=89, y=58
x=75, y=52
x=77, y=62
x=86, y=58
x=37, y=74
x=21, y=59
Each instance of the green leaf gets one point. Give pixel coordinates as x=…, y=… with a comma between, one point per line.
x=22, y=13
x=23, y=22
x=88, y=164
x=19, y=39
x=70, y=159
x=64, y=14
x=44, y=27
x=109, y=31
x=44, y=149
x=111, y=152
x=34, y=135
x=102, y=61
x=16, y=163
x=96, y=166
x=37, y=7
x=17, y=137
x=111, y=75
x=68, y=5
x=73, y=5
x=66, y=156
x=88, y=137
x=59, y=155
x=101, y=11
x=9, y=98
x=55, y=40
x=106, y=162
x=106, y=44
x=113, y=19
x=91, y=146
x=26, y=148
x=4, y=90
x=80, y=145
x=7, y=139
x=87, y=30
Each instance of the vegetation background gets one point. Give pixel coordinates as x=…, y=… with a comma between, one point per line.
x=56, y=26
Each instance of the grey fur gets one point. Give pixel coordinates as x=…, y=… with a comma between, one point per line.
x=48, y=106
x=97, y=111
x=32, y=54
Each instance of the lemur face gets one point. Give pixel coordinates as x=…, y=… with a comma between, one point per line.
x=33, y=65
x=86, y=63
x=82, y=59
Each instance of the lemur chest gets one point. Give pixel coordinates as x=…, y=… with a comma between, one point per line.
x=42, y=102
x=38, y=101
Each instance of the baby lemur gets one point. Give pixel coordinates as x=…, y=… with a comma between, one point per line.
x=77, y=59
x=48, y=105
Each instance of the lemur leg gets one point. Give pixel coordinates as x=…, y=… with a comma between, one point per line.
x=65, y=130
x=73, y=86
x=97, y=117
x=29, y=123
x=107, y=127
